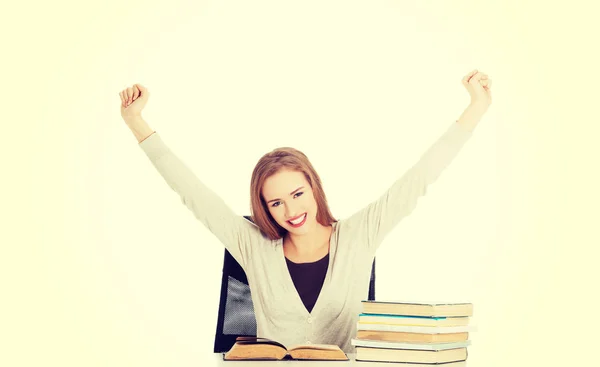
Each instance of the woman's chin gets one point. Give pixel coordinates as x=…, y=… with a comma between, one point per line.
x=298, y=231
x=303, y=229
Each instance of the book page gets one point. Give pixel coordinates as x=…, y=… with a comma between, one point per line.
x=314, y=346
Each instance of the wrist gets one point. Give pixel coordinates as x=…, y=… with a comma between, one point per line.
x=471, y=116
x=478, y=107
x=139, y=127
x=134, y=119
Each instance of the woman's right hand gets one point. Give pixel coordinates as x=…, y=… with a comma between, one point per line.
x=133, y=100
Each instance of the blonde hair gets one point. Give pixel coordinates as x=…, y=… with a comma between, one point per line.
x=268, y=165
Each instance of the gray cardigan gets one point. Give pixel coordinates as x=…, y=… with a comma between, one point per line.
x=280, y=313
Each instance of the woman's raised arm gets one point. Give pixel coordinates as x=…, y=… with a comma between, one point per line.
x=376, y=220
x=234, y=231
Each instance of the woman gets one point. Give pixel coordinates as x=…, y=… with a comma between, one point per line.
x=307, y=271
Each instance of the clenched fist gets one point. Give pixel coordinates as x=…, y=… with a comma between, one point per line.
x=133, y=100
x=479, y=86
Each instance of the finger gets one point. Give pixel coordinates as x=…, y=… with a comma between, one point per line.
x=136, y=92
x=129, y=94
x=122, y=98
x=467, y=77
x=124, y=95
x=475, y=78
x=472, y=74
x=143, y=90
x=486, y=83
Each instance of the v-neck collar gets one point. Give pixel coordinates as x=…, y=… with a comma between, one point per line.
x=289, y=282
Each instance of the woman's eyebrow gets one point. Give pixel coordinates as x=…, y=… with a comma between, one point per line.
x=291, y=193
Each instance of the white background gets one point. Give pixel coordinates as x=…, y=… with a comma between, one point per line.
x=102, y=263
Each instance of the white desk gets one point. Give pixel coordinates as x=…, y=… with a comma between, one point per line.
x=219, y=362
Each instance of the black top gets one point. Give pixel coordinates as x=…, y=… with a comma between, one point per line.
x=308, y=279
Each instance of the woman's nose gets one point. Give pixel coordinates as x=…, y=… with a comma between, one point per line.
x=290, y=211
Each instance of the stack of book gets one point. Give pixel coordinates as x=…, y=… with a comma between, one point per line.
x=414, y=333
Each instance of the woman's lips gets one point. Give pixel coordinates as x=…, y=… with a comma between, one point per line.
x=303, y=216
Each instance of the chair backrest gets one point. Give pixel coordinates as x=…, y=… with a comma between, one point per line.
x=236, y=311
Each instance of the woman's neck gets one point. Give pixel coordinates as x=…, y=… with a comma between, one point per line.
x=309, y=247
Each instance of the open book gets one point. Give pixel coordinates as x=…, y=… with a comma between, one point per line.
x=253, y=348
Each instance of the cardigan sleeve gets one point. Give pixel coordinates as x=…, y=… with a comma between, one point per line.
x=372, y=223
x=234, y=231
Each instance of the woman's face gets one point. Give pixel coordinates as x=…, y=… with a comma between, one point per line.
x=291, y=202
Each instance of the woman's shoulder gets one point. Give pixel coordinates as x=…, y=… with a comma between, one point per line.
x=348, y=227
x=351, y=222
x=351, y=238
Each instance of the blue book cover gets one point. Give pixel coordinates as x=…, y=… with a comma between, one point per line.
x=404, y=316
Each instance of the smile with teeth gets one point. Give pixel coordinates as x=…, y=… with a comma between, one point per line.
x=298, y=221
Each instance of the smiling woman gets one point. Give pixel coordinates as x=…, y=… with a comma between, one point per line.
x=307, y=271
x=287, y=201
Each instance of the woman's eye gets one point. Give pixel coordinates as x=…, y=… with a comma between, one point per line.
x=277, y=203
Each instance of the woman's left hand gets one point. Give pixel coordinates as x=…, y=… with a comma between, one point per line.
x=479, y=87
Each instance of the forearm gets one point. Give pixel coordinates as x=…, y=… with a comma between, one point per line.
x=383, y=214
x=139, y=127
x=471, y=116
x=231, y=229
